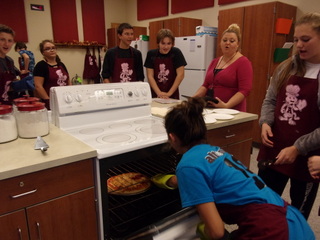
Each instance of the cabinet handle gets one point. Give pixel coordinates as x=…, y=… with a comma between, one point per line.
x=230, y=136
x=39, y=232
x=20, y=233
x=25, y=193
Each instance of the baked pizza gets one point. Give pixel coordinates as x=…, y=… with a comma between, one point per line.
x=128, y=184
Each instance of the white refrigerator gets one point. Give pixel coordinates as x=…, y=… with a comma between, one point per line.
x=198, y=52
x=143, y=47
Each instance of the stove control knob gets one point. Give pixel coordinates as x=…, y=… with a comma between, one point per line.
x=68, y=98
x=130, y=93
x=144, y=92
x=136, y=93
x=78, y=98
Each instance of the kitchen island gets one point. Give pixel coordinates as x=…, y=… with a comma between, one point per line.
x=50, y=194
x=233, y=135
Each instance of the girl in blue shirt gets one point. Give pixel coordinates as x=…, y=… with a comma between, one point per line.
x=222, y=189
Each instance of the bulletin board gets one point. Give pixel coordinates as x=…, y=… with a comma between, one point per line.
x=64, y=20
x=14, y=16
x=93, y=21
x=178, y=6
x=147, y=9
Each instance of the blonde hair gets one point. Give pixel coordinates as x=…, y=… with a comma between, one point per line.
x=234, y=28
x=294, y=65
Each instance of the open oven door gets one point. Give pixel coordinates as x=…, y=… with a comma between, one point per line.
x=179, y=226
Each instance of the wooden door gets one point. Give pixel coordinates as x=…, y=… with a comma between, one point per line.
x=70, y=217
x=154, y=28
x=259, y=43
x=227, y=17
x=13, y=226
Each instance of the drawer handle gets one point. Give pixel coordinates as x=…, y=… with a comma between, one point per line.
x=230, y=136
x=24, y=194
x=20, y=233
x=39, y=230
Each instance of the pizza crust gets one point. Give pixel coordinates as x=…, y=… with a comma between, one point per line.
x=128, y=184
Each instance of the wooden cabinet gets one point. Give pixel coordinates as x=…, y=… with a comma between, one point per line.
x=112, y=34
x=179, y=26
x=51, y=204
x=259, y=42
x=235, y=139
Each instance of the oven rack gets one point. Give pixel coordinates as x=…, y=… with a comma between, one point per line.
x=129, y=214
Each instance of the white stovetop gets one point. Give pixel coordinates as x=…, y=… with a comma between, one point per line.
x=116, y=137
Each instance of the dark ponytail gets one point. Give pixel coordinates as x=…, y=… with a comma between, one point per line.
x=186, y=122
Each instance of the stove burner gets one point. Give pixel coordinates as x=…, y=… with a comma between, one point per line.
x=120, y=125
x=154, y=129
x=91, y=131
x=117, y=138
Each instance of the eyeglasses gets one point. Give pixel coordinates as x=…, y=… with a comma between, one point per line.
x=49, y=49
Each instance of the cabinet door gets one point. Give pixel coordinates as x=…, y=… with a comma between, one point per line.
x=13, y=226
x=137, y=31
x=235, y=139
x=182, y=26
x=260, y=54
x=70, y=217
x=241, y=151
x=227, y=17
x=188, y=26
x=154, y=28
x=259, y=43
x=113, y=39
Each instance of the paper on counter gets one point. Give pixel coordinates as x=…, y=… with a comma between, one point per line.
x=159, y=111
x=163, y=100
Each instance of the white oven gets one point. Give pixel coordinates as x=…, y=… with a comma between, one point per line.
x=116, y=120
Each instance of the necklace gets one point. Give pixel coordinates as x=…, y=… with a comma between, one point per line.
x=225, y=62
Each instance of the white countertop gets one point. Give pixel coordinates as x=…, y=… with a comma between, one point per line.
x=18, y=157
x=238, y=118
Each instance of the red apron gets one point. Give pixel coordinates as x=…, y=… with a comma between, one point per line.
x=297, y=114
x=256, y=221
x=6, y=79
x=123, y=70
x=91, y=69
x=58, y=76
x=165, y=74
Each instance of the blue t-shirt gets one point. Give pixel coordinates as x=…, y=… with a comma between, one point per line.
x=208, y=174
x=31, y=59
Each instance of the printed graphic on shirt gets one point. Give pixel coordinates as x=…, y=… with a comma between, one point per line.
x=61, y=78
x=213, y=155
x=292, y=105
x=125, y=75
x=163, y=73
x=5, y=95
